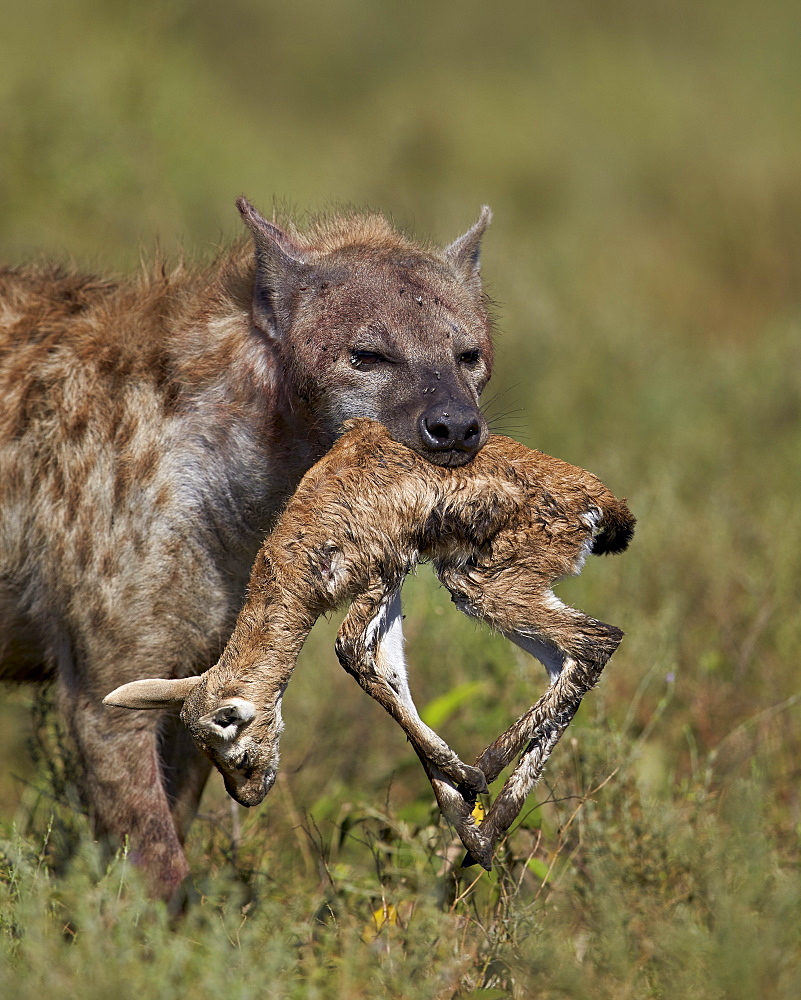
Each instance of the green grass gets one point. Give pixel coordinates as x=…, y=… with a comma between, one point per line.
x=642, y=161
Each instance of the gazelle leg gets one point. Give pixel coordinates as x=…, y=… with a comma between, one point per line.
x=458, y=811
x=521, y=782
x=562, y=699
x=573, y=647
x=542, y=726
x=370, y=647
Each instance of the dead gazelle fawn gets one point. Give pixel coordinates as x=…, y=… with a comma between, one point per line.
x=499, y=532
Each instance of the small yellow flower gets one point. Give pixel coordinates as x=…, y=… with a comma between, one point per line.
x=384, y=916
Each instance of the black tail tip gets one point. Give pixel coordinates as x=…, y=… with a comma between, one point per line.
x=616, y=533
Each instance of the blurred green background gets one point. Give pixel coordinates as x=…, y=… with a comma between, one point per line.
x=643, y=162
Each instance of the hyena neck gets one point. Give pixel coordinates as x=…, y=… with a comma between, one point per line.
x=238, y=421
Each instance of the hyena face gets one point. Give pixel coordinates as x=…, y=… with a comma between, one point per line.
x=376, y=328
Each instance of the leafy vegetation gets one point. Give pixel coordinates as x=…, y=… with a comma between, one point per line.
x=642, y=161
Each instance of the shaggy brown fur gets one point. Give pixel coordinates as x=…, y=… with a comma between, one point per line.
x=500, y=532
x=151, y=430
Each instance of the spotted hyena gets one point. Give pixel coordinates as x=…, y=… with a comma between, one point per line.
x=152, y=429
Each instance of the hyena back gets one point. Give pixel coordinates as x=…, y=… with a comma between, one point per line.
x=150, y=431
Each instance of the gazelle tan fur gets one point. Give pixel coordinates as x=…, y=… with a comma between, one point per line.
x=499, y=532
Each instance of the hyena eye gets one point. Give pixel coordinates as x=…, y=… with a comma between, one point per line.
x=469, y=358
x=363, y=361
x=243, y=763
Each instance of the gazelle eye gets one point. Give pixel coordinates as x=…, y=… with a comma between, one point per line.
x=365, y=360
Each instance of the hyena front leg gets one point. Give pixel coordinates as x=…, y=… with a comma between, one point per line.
x=185, y=770
x=370, y=647
x=124, y=785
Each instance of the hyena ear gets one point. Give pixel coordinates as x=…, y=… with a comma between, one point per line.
x=465, y=252
x=152, y=693
x=281, y=266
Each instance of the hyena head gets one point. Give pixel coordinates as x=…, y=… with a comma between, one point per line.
x=368, y=324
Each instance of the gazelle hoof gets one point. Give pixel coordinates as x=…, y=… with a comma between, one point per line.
x=485, y=859
x=473, y=783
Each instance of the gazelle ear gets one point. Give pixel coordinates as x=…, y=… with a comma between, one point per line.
x=465, y=252
x=152, y=693
x=228, y=719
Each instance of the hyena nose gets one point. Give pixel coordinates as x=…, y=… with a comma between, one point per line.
x=452, y=427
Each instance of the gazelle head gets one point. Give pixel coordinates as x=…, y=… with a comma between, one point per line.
x=240, y=736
